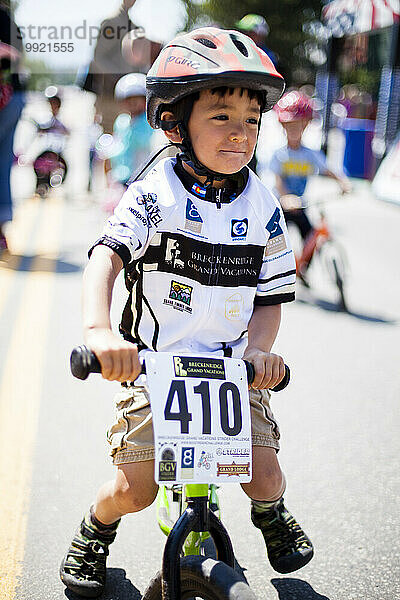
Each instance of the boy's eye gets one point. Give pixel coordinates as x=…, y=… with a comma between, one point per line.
x=221, y=117
x=253, y=121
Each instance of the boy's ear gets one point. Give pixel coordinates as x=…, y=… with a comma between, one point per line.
x=172, y=134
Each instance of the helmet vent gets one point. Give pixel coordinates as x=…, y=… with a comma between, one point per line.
x=239, y=45
x=206, y=42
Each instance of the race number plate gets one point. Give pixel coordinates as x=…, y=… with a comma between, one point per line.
x=201, y=418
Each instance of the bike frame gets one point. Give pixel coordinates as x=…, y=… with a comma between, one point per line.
x=317, y=237
x=197, y=518
x=192, y=544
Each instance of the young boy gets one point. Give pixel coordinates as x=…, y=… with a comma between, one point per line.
x=131, y=131
x=294, y=163
x=194, y=232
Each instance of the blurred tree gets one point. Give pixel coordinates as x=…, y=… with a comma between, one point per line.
x=288, y=21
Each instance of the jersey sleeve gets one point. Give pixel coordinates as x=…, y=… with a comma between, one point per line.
x=275, y=164
x=319, y=160
x=277, y=279
x=129, y=229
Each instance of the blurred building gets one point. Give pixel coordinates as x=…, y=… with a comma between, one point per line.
x=363, y=70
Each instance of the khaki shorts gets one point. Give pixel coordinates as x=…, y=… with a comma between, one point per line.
x=131, y=435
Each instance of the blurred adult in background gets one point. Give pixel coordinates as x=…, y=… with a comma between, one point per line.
x=110, y=62
x=131, y=129
x=257, y=28
x=132, y=137
x=11, y=105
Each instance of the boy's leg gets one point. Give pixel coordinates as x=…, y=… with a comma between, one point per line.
x=288, y=547
x=83, y=570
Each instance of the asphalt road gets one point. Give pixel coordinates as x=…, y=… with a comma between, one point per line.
x=339, y=418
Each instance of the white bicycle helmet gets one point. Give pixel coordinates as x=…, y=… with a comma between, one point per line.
x=133, y=84
x=208, y=58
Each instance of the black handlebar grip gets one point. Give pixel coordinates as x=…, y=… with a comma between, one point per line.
x=285, y=381
x=83, y=362
x=281, y=385
x=250, y=372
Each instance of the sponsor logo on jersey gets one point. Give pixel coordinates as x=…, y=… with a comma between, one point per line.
x=138, y=215
x=225, y=265
x=276, y=242
x=151, y=207
x=239, y=229
x=180, y=297
x=234, y=307
x=199, y=191
x=173, y=253
x=193, y=221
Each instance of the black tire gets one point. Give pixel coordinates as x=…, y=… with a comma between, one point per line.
x=206, y=579
x=334, y=259
x=340, y=285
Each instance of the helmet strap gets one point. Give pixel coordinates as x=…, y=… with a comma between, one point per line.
x=189, y=157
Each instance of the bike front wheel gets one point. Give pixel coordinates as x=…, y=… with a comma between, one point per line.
x=334, y=260
x=206, y=579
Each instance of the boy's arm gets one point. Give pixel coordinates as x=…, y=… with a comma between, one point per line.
x=262, y=330
x=280, y=186
x=119, y=359
x=343, y=182
x=286, y=200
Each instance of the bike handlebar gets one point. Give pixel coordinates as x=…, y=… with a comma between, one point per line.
x=83, y=362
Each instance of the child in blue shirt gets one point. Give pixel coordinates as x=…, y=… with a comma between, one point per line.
x=294, y=163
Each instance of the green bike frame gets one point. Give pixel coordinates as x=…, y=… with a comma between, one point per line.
x=192, y=545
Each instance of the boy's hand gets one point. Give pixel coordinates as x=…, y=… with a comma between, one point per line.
x=119, y=359
x=345, y=186
x=290, y=202
x=269, y=368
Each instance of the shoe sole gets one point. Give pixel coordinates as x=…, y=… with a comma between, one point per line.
x=301, y=559
x=87, y=590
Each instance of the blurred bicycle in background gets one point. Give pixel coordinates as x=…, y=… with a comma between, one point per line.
x=321, y=260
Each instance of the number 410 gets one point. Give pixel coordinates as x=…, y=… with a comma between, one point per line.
x=228, y=392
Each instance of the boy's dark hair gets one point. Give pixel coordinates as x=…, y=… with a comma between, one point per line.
x=183, y=107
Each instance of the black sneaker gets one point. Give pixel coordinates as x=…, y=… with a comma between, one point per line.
x=288, y=547
x=83, y=570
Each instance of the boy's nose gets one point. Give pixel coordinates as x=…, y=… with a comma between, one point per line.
x=238, y=135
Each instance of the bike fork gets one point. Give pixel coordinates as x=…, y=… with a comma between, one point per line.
x=197, y=517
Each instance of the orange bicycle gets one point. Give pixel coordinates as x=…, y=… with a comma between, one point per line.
x=321, y=247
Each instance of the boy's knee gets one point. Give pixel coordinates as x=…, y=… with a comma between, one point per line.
x=133, y=498
x=268, y=486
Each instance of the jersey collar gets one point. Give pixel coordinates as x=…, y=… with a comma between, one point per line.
x=234, y=186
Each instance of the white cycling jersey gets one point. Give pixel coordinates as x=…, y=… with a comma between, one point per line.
x=199, y=267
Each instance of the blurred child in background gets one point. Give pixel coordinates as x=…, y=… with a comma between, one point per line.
x=131, y=140
x=294, y=163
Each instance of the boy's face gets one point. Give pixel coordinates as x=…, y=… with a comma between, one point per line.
x=224, y=129
x=294, y=131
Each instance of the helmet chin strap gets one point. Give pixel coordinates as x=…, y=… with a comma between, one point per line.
x=189, y=157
